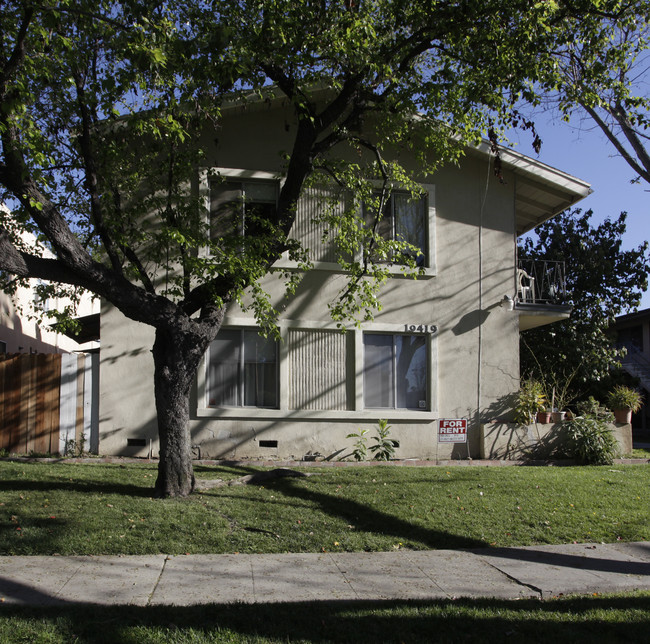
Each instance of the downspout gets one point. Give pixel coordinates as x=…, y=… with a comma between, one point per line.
x=479, y=369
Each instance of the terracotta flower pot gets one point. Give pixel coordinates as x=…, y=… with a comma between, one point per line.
x=558, y=416
x=544, y=417
x=623, y=416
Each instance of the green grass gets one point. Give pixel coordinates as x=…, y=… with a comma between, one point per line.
x=107, y=509
x=601, y=618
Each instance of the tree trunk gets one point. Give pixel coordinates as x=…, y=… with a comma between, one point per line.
x=175, y=371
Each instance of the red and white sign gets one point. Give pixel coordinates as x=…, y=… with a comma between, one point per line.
x=452, y=430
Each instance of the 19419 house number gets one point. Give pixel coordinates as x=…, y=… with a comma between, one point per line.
x=421, y=328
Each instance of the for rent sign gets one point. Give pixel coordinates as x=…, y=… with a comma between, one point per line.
x=452, y=430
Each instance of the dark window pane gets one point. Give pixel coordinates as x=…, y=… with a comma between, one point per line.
x=226, y=213
x=260, y=370
x=224, y=369
x=395, y=372
x=403, y=219
x=378, y=386
x=410, y=224
x=411, y=371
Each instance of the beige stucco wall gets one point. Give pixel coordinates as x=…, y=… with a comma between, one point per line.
x=475, y=353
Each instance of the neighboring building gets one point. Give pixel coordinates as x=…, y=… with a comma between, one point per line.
x=25, y=326
x=445, y=346
x=633, y=333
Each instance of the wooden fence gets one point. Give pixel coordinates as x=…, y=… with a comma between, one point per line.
x=47, y=401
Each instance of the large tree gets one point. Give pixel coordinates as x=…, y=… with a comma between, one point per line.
x=101, y=105
x=602, y=281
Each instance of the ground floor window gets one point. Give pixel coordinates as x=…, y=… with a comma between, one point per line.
x=242, y=370
x=395, y=371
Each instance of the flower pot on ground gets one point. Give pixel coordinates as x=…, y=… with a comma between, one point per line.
x=558, y=416
x=544, y=417
x=624, y=401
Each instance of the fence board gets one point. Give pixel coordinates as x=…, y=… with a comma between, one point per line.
x=43, y=402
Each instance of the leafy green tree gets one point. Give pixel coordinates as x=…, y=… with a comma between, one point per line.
x=102, y=104
x=602, y=281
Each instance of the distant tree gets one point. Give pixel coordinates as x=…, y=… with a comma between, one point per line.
x=603, y=281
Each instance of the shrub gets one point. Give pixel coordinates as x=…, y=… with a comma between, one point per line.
x=592, y=440
x=622, y=397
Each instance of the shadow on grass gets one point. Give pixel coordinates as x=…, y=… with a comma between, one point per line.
x=83, y=486
x=371, y=520
x=621, y=618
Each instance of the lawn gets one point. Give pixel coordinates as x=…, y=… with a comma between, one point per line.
x=99, y=508
x=599, y=618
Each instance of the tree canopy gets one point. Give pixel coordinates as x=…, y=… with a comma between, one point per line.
x=103, y=103
x=602, y=281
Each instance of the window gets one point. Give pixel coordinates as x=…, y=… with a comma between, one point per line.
x=241, y=207
x=242, y=370
x=41, y=299
x=404, y=219
x=395, y=371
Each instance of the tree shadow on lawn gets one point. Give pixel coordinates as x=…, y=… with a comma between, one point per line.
x=368, y=519
x=346, y=621
x=77, y=485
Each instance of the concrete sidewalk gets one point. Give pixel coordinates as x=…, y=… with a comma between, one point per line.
x=507, y=573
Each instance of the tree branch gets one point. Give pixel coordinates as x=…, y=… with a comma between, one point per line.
x=88, y=157
x=18, y=53
x=630, y=160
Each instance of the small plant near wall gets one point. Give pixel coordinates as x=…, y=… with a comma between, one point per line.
x=624, y=401
x=360, y=449
x=530, y=400
x=384, y=447
x=75, y=447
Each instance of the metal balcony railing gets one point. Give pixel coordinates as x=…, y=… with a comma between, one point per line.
x=541, y=282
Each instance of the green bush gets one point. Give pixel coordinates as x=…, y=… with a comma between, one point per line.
x=592, y=440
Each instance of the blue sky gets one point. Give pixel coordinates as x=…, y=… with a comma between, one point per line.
x=581, y=150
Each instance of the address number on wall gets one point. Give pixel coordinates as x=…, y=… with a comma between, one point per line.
x=421, y=328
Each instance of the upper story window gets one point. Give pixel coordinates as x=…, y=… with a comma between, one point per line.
x=395, y=371
x=242, y=370
x=240, y=207
x=404, y=219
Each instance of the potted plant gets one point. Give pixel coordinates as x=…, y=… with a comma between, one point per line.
x=624, y=401
x=530, y=401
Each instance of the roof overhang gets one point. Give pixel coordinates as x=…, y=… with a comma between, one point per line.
x=541, y=191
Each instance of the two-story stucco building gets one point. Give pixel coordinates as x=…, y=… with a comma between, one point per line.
x=444, y=346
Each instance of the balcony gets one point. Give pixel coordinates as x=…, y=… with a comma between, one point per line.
x=541, y=293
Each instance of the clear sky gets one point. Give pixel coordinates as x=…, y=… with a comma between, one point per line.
x=581, y=150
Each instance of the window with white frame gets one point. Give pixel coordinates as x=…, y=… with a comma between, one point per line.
x=395, y=371
x=240, y=207
x=242, y=370
x=404, y=218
